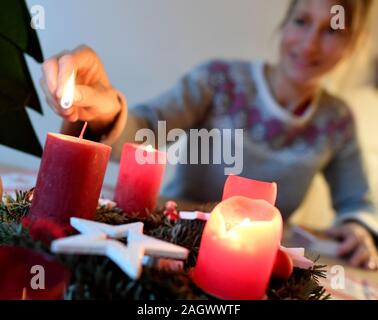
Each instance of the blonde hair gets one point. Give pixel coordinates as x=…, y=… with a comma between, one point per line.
x=356, y=16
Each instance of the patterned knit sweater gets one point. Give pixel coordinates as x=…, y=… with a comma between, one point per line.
x=277, y=145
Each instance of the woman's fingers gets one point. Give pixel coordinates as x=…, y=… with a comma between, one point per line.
x=53, y=103
x=348, y=245
x=372, y=263
x=338, y=232
x=66, y=67
x=89, y=66
x=49, y=97
x=50, y=68
x=94, y=97
x=85, y=99
x=73, y=117
x=50, y=74
x=50, y=82
x=56, y=72
x=357, y=243
x=360, y=256
x=84, y=62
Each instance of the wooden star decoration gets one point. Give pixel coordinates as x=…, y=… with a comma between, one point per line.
x=194, y=215
x=99, y=239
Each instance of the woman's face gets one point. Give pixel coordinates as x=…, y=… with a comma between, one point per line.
x=310, y=47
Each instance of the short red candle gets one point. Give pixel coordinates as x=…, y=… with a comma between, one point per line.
x=70, y=179
x=239, y=186
x=16, y=275
x=139, y=180
x=238, y=249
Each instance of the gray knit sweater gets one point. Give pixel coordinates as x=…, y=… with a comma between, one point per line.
x=277, y=145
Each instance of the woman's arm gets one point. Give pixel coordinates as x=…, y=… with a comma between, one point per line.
x=356, y=222
x=105, y=109
x=183, y=106
x=349, y=187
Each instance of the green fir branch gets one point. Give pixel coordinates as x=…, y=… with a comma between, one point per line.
x=96, y=277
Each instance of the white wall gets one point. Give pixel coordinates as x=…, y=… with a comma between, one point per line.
x=147, y=44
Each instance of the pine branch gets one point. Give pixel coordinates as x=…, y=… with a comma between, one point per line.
x=13, y=210
x=95, y=277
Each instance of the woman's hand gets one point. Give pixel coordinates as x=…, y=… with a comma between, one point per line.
x=357, y=244
x=95, y=100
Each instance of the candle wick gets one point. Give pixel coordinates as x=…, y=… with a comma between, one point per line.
x=83, y=130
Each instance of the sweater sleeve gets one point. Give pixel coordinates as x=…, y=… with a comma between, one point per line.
x=349, y=187
x=182, y=107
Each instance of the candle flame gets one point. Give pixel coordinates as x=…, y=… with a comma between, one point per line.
x=23, y=294
x=233, y=232
x=68, y=92
x=246, y=222
x=236, y=230
x=149, y=148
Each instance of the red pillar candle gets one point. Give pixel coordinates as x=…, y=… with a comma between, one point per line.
x=238, y=249
x=70, y=179
x=239, y=186
x=21, y=269
x=139, y=180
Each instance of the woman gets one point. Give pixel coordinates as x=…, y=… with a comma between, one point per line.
x=293, y=128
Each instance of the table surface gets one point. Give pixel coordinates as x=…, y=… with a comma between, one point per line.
x=356, y=283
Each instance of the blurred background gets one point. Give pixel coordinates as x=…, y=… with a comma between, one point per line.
x=147, y=45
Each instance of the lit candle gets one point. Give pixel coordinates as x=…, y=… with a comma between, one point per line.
x=238, y=249
x=17, y=273
x=71, y=174
x=139, y=180
x=240, y=186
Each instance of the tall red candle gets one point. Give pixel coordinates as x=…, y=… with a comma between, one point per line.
x=70, y=179
x=139, y=180
x=238, y=248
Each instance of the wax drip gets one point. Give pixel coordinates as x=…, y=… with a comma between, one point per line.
x=83, y=130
